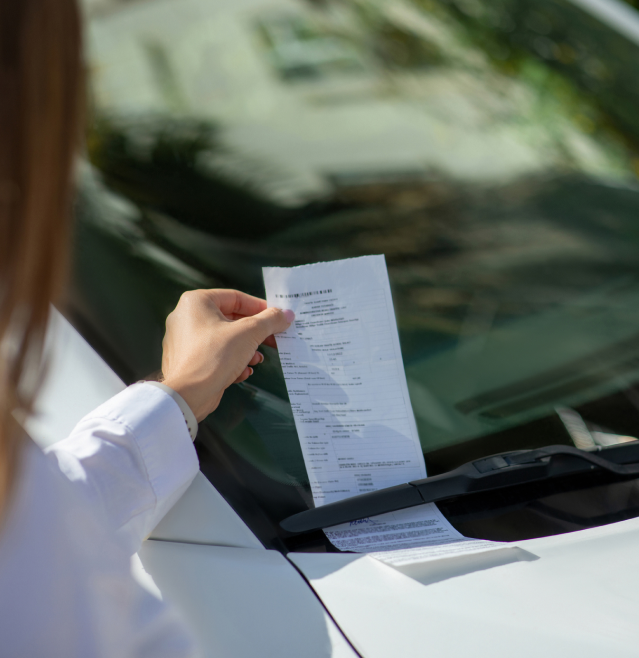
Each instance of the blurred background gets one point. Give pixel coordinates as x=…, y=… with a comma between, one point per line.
x=489, y=148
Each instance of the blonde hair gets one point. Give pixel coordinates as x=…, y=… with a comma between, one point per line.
x=40, y=108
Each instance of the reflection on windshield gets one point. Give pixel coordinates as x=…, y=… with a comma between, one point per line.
x=488, y=149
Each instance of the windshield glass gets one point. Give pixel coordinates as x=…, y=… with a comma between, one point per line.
x=489, y=149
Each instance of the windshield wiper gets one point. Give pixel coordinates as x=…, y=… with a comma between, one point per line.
x=496, y=472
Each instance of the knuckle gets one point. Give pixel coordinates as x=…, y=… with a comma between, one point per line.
x=274, y=313
x=191, y=298
x=254, y=329
x=189, y=295
x=184, y=301
x=252, y=324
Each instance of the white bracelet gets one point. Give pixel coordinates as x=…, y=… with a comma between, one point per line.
x=189, y=416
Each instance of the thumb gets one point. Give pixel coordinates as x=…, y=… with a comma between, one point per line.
x=268, y=322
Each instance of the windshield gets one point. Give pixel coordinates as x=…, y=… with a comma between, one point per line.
x=489, y=149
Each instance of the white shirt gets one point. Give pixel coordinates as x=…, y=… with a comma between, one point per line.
x=79, y=512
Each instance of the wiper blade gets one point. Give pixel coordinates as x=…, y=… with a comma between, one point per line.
x=496, y=472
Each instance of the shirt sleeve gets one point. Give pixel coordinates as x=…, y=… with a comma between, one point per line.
x=189, y=416
x=132, y=458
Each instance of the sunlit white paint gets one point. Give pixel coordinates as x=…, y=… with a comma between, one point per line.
x=243, y=603
x=569, y=595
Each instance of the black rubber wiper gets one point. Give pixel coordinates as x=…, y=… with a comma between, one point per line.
x=496, y=472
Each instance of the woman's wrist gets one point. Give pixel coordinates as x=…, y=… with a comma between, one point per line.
x=187, y=412
x=193, y=395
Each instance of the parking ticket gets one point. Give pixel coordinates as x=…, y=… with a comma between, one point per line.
x=345, y=378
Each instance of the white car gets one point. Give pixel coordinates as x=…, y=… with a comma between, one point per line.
x=489, y=150
x=573, y=594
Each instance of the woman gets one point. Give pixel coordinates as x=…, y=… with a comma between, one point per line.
x=72, y=518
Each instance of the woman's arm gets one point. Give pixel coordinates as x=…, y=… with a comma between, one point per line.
x=133, y=456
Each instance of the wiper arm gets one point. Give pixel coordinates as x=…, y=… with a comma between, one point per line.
x=496, y=472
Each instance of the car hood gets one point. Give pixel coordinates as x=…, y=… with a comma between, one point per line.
x=566, y=595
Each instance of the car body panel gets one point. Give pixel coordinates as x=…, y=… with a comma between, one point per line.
x=575, y=594
x=202, y=516
x=242, y=602
x=76, y=381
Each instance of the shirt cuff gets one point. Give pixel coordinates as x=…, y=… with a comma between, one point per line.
x=189, y=416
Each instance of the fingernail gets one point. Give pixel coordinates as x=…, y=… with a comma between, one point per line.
x=289, y=315
x=261, y=357
x=251, y=369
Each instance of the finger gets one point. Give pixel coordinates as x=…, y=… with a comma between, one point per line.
x=268, y=322
x=236, y=304
x=246, y=373
x=258, y=357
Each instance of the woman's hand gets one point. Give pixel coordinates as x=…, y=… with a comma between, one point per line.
x=211, y=342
